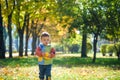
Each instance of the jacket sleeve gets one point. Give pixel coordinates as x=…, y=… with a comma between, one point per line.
x=38, y=52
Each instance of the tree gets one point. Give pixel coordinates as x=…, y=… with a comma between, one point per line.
x=2, y=47
x=80, y=22
x=20, y=21
x=97, y=22
x=37, y=22
x=35, y=31
x=29, y=10
x=27, y=32
x=10, y=10
x=93, y=21
x=113, y=23
x=84, y=28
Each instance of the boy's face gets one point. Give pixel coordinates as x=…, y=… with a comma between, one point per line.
x=45, y=40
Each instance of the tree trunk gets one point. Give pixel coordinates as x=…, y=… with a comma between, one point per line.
x=27, y=36
x=83, y=50
x=95, y=47
x=20, y=43
x=10, y=35
x=2, y=45
x=34, y=43
x=118, y=54
x=119, y=57
x=9, y=26
x=17, y=43
x=26, y=44
x=21, y=34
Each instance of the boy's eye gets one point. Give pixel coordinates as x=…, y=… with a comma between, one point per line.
x=46, y=40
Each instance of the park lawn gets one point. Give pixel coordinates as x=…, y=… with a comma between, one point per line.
x=65, y=67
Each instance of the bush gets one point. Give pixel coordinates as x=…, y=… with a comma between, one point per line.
x=74, y=48
x=59, y=48
x=89, y=47
x=103, y=49
x=117, y=52
x=110, y=49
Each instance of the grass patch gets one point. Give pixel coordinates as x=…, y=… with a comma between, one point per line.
x=76, y=61
x=65, y=67
x=19, y=61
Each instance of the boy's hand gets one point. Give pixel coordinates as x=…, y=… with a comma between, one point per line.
x=38, y=52
x=52, y=51
x=52, y=55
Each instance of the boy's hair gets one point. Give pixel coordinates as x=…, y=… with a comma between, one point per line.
x=45, y=34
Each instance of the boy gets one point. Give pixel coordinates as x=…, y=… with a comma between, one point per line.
x=45, y=54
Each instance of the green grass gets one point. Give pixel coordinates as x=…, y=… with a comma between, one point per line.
x=65, y=67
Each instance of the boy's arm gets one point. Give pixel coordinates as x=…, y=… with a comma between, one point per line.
x=52, y=53
x=38, y=52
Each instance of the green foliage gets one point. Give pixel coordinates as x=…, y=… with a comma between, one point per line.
x=59, y=47
x=110, y=49
x=117, y=49
x=75, y=39
x=72, y=42
x=74, y=48
x=93, y=16
x=89, y=47
x=112, y=31
x=103, y=49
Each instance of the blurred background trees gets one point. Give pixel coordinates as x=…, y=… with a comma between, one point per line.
x=76, y=26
